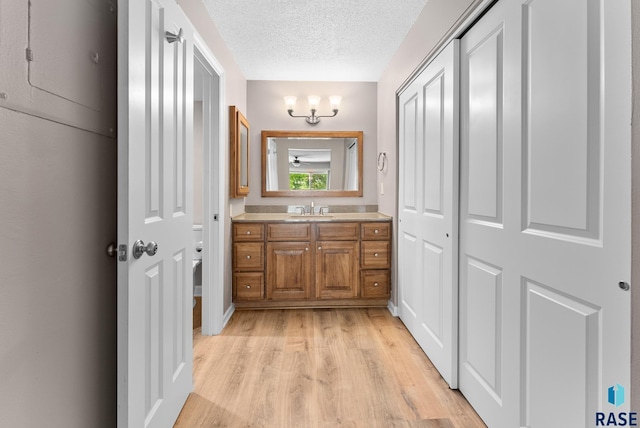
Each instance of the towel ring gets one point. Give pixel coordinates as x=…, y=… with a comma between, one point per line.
x=382, y=161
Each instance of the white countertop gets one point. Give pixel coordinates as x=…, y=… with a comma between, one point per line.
x=289, y=217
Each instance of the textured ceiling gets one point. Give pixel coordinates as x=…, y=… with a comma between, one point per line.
x=323, y=40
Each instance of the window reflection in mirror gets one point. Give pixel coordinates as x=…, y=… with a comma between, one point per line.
x=302, y=163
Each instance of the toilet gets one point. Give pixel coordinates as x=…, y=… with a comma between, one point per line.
x=197, y=261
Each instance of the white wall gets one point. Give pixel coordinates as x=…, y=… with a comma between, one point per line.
x=266, y=111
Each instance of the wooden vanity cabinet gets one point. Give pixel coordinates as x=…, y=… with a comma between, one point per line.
x=288, y=270
x=337, y=261
x=312, y=264
x=248, y=261
x=375, y=274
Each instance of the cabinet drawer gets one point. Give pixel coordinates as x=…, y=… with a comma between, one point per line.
x=375, y=254
x=288, y=232
x=248, y=231
x=337, y=232
x=375, y=283
x=375, y=231
x=249, y=285
x=248, y=256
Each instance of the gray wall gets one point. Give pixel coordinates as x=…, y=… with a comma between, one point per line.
x=58, y=305
x=266, y=111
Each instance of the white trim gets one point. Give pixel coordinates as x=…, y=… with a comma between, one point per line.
x=393, y=309
x=213, y=231
x=227, y=315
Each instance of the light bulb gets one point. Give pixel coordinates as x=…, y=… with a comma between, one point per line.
x=290, y=102
x=335, y=101
x=314, y=102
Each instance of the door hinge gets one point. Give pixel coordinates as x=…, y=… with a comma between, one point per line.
x=215, y=217
x=122, y=252
x=29, y=55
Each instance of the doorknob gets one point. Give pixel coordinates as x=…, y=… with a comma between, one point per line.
x=112, y=250
x=139, y=248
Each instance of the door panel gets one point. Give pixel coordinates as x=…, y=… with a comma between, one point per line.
x=427, y=276
x=544, y=161
x=481, y=314
x=563, y=340
x=562, y=134
x=289, y=274
x=337, y=270
x=155, y=185
x=484, y=160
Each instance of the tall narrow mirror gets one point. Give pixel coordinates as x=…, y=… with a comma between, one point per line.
x=308, y=163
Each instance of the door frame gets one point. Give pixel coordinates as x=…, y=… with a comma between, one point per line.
x=214, y=167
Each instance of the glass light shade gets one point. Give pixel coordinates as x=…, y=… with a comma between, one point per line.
x=335, y=101
x=314, y=102
x=290, y=102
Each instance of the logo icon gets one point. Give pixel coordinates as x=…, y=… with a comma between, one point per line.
x=616, y=395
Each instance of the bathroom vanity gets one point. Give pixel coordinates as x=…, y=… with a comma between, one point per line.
x=333, y=260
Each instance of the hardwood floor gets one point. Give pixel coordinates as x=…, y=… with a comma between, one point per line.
x=318, y=368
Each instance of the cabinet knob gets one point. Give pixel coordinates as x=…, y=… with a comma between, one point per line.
x=319, y=248
x=248, y=232
x=306, y=248
x=375, y=231
x=375, y=284
x=248, y=286
x=375, y=254
x=248, y=257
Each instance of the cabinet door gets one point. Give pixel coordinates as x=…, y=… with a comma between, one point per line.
x=288, y=270
x=336, y=269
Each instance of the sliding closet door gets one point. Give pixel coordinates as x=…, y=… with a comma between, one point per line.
x=427, y=253
x=545, y=212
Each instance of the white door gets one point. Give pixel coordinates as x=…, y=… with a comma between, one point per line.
x=428, y=210
x=155, y=186
x=545, y=211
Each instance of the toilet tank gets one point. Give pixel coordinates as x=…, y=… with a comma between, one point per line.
x=197, y=241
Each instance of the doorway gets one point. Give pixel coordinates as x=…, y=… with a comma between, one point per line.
x=208, y=196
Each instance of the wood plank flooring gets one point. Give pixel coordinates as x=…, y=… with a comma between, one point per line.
x=319, y=368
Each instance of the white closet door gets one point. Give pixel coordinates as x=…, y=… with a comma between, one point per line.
x=428, y=214
x=545, y=211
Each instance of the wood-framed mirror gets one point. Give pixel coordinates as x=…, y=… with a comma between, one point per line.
x=239, y=155
x=312, y=163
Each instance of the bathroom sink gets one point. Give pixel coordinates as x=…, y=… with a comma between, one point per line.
x=300, y=217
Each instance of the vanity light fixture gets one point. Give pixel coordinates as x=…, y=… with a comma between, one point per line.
x=314, y=101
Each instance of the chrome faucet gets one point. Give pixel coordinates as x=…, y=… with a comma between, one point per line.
x=323, y=210
x=302, y=211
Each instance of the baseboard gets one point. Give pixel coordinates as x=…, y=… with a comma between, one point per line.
x=227, y=315
x=392, y=308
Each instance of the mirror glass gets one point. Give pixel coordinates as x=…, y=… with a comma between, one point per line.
x=305, y=163
x=244, y=157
